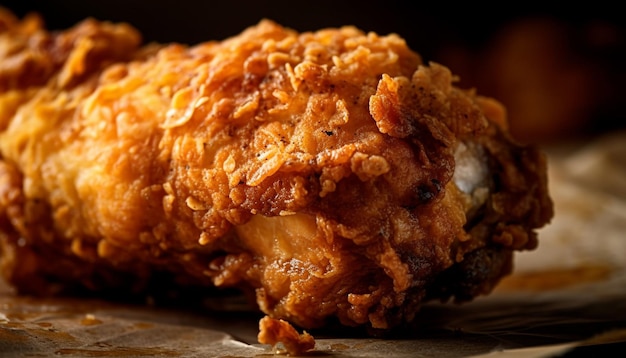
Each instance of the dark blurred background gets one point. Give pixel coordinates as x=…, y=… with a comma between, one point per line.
x=559, y=71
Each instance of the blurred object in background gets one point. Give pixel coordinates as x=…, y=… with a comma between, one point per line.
x=558, y=79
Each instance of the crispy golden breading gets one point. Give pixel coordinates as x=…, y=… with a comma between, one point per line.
x=330, y=173
x=275, y=331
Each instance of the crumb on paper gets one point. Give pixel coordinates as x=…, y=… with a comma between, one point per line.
x=90, y=320
x=274, y=331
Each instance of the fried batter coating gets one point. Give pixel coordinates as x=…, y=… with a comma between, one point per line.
x=331, y=174
x=275, y=332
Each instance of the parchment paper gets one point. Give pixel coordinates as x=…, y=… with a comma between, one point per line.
x=568, y=295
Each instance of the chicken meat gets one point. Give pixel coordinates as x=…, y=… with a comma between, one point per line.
x=331, y=175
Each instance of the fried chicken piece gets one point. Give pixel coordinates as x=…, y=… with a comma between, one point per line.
x=330, y=174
